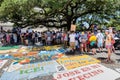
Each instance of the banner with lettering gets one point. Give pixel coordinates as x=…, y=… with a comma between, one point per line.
x=30, y=71
x=76, y=61
x=89, y=72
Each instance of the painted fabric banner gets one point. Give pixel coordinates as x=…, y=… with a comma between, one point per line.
x=30, y=71
x=2, y=63
x=9, y=47
x=77, y=61
x=50, y=55
x=89, y=72
x=46, y=48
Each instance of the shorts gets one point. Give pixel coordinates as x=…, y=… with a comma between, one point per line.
x=72, y=45
x=93, y=45
x=109, y=46
x=100, y=44
x=83, y=45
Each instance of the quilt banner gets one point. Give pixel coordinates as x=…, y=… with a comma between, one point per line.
x=2, y=63
x=76, y=61
x=30, y=71
x=89, y=72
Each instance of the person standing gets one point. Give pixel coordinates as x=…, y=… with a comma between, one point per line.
x=93, y=40
x=108, y=44
x=8, y=38
x=72, y=40
x=100, y=40
x=83, y=45
x=65, y=39
x=33, y=38
x=15, y=37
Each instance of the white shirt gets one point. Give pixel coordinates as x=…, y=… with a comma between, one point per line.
x=72, y=37
x=100, y=37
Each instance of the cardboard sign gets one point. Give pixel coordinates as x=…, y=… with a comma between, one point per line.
x=89, y=72
x=77, y=61
x=73, y=27
x=2, y=63
x=30, y=71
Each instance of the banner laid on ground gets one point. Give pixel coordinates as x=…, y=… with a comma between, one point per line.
x=2, y=63
x=50, y=55
x=30, y=71
x=8, y=49
x=77, y=61
x=46, y=48
x=89, y=72
x=13, y=67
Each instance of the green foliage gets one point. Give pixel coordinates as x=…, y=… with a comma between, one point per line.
x=63, y=12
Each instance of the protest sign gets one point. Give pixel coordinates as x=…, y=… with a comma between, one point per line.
x=77, y=61
x=29, y=71
x=89, y=72
x=73, y=27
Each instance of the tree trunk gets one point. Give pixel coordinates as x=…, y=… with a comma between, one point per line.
x=68, y=23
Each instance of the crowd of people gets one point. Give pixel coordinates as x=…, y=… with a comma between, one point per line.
x=79, y=40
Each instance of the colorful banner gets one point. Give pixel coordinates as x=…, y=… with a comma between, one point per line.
x=51, y=55
x=13, y=67
x=89, y=72
x=2, y=63
x=46, y=48
x=30, y=71
x=9, y=47
x=77, y=61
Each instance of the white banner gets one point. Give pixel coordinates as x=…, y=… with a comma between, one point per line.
x=2, y=63
x=90, y=72
x=13, y=67
x=29, y=71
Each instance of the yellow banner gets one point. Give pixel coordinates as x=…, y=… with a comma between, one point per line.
x=77, y=61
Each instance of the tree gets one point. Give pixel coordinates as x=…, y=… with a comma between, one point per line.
x=55, y=13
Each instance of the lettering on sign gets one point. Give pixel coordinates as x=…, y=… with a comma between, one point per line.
x=89, y=72
x=77, y=61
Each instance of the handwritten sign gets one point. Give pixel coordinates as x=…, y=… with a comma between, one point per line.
x=77, y=61
x=89, y=72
